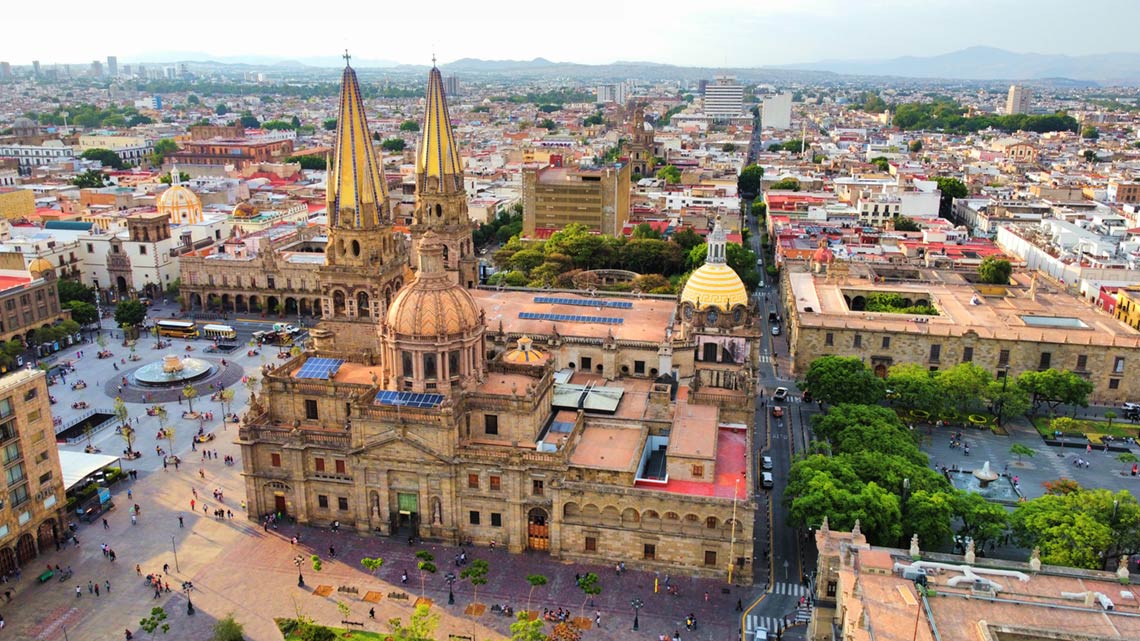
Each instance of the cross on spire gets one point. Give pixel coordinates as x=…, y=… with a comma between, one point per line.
x=346, y=57
x=433, y=59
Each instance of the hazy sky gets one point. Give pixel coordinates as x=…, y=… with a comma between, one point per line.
x=687, y=32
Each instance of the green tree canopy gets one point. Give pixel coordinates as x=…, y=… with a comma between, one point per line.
x=393, y=144
x=670, y=174
x=89, y=179
x=914, y=146
x=1090, y=132
x=914, y=387
x=748, y=184
x=981, y=520
x=277, y=125
x=881, y=163
x=409, y=125
x=162, y=149
x=839, y=417
x=249, y=121
x=841, y=379
x=130, y=313
x=951, y=188
x=1087, y=528
x=785, y=184
x=994, y=270
x=309, y=161
x=221, y=109
x=963, y=384
x=1053, y=388
x=74, y=290
x=903, y=223
x=81, y=312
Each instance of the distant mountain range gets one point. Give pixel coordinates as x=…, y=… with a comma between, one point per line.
x=984, y=64
x=990, y=63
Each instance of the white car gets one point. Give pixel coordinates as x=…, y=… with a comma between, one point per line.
x=780, y=394
x=1131, y=406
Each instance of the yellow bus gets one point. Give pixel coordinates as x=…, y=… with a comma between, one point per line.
x=219, y=332
x=177, y=328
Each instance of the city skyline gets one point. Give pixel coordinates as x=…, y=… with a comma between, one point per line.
x=726, y=33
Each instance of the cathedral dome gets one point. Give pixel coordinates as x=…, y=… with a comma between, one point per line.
x=715, y=284
x=39, y=266
x=432, y=305
x=525, y=354
x=177, y=197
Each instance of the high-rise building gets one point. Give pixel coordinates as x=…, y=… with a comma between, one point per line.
x=127, y=70
x=724, y=98
x=612, y=93
x=1017, y=102
x=441, y=201
x=36, y=67
x=96, y=70
x=554, y=197
x=5, y=70
x=112, y=66
x=451, y=85
x=777, y=111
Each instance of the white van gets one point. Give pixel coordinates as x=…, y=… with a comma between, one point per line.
x=761, y=634
x=766, y=480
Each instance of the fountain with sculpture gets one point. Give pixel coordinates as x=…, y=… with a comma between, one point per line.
x=989, y=484
x=172, y=371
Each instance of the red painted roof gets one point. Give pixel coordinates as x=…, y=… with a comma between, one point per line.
x=731, y=465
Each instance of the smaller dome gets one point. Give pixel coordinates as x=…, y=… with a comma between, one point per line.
x=39, y=266
x=432, y=305
x=525, y=354
x=244, y=210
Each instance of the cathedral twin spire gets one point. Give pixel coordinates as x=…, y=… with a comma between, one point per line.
x=357, y=192
x=438, y=155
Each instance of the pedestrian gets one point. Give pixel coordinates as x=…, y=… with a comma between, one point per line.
x=165, y=568
x=78, y=592
x=706, y=596
x=332, y=552
x=134, y=520
x=180, y=521
x=111, y=553
x=598, y=618
x=107, y=584
x=404, y=577
x=371, y=613
x=195, y=491
x=739, y=605
x=96, y=589
x=130, y=495
x=107, y=526
x=138, y=569
x=90, y=587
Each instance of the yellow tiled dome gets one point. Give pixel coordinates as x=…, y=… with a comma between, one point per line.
x=39, y=266
x=177, y=197
x=717, y=285
x=525, y=354
x=432, y=305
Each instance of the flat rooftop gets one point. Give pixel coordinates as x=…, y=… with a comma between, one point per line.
x=646, y=320
x=609, y=447
x=1048, y=316
x=694, y=431
x=731, y=466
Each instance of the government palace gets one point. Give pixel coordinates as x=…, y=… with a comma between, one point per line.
x=592, y=428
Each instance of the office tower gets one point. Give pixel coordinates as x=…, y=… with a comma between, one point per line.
x=451, y=85
x=777, y=111
x=1017, y=102
x=36, y=67
x=112, y=66
x=96, y=70
x=612, y=93
x=724, y=98
x=5, y=70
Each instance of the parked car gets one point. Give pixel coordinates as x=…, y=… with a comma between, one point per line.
x=780, y=394
x=766, y=463
x=766, y=480
x=775, y=330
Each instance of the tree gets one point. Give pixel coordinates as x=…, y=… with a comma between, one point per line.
x=228, y=629
x=228, y=399
x=421, y=626
x=106, y=156
x=535, y=580
x=1020, y=449
x=1054, y=388
x=786, y=184
x=318, y=565
x=914, y=387
x=409, y=125
x=1109, y=414
x=393, y=144
x=372, y=564
x=162, y=415
x=126, y=432
x=1128, y=458
x=221, y=109
x=476, y=573
x=728, y=147
x=1089, y=528
x=1006, y=400
x=189, y=393
x=994, y=270
x=748, y=184
x=881, y=163
x=1090, y=132
x=309, y=161
x=670, y=174
x=167, y=178
x=249, y=121
x=426, y=566
x=839, y=379
x=295, y=122
x=81, y=312
x=548, y=124
x=963, y=384
x=525, y=629
x=74, y=290
x=929, y=515
x=951, y=188
x=155, y=622
x=590, y=586
x=915, y=146
x=329, y=124
x=129, y=314
x=89, y=179
x=277, y=125
x=847, y=415
x=903, y=223
x=1089, y=155
x=314, y=632
x=162, y=149
x=687, y=239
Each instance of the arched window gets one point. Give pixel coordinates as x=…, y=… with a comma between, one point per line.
x=363, y=305
x=338, y=302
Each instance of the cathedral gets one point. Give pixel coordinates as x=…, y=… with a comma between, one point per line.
x=590, y=428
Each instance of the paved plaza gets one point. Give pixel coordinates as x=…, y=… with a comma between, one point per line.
x=237, y=567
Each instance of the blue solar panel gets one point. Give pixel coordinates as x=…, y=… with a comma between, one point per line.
x=408, y=399
x=571, y=318
x=584, y=302
x=321, y=368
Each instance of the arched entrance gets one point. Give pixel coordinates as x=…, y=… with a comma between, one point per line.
x=537, y=530
x=45, y=535
x=25, y=549
x=276, y=498
x=290, y=306
x=7, y=562
x=195, y=301
x=121, y=284
x=881, y=370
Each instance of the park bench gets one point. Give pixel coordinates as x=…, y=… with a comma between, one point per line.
x=46, y=576
x=398, y=595
x=347, y=622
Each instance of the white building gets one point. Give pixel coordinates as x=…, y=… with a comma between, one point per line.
x=50, y=152
x=777, y=111
x=724, y=98
x=615, y=93
x=1017, y=102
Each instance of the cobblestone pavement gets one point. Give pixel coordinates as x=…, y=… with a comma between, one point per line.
x=238, y=568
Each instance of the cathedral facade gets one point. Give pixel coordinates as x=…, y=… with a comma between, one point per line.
x=592, y=429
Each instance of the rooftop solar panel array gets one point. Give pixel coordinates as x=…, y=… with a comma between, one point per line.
x=571, y=318
x=409, y=399
x=584, y=302
x=321, y=368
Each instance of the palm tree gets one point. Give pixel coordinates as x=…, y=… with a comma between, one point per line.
x=189, y=392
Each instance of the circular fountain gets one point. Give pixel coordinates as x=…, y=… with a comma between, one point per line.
x=985, y=475
x=172, y=371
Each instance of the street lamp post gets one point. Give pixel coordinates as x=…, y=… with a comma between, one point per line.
x=297, y=561
x=637, y=604
x=187, y=586
x=174, y=546
x=1001, y=400
x=450, y=578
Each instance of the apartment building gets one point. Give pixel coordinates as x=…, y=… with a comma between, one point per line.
x=597, y=197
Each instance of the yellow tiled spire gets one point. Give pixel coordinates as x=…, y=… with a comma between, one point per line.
x=357, y=193
x=438, y=155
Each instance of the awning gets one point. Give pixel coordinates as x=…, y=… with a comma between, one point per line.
x=77, y=466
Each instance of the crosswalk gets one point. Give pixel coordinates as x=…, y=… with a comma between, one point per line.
x=794, y=589
x=755, y=621
x=802, y=614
